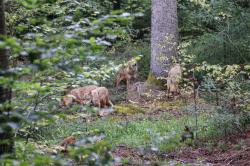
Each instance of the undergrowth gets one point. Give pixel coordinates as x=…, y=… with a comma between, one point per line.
x=158, y=134
x=162, y=133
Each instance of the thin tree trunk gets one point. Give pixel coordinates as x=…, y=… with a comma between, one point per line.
x=164, y=36
x=116, y=4
x=6, y=136
x=3, y=53
x=3, y=56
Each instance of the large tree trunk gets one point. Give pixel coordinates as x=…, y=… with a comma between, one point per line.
x=6, y=136
x=164, y=36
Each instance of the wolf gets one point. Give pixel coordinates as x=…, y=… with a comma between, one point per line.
x=127, y=73
x=79, y=95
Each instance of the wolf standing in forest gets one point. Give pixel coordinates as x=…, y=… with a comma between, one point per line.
x=127, y=73
x=173, y=79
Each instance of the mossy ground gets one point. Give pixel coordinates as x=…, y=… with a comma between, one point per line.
x=153, y=81
x=128, y=109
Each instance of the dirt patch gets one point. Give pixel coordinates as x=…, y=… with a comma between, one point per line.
x=158, y=112
x=131, y=156
x=231, y=157
x=217, y=157
x=233, y=154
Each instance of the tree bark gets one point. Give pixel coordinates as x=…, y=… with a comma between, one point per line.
x=164, y=36
x=6, y=136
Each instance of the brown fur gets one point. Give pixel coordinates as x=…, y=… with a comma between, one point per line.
x=173, y=79
x=78, y=95
x=67, y=100
x=68, y=141
x=100, y=97
x=127, y=73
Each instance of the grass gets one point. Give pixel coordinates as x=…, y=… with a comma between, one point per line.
x=60, y=129
x=158, y=133
x=163, y=134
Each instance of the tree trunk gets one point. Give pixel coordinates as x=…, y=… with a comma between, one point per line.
x=116, y=4
x=164, y=36
x=3, y=53
x=6, y=136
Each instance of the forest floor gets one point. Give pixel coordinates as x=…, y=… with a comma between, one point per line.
x=147, y=129
x=233, y=155
x=226, y=149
